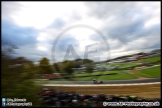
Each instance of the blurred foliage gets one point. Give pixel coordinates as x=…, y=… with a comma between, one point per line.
x=89, y=67
x=88, y=64
x=45, y=67
x=66, y=67
x=18, y=75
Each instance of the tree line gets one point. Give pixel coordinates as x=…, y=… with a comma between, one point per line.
x=18, y=74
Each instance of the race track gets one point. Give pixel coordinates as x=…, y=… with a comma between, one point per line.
x=149, y=80
x=148, y=88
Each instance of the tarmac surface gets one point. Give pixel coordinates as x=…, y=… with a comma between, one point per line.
x=147, y=80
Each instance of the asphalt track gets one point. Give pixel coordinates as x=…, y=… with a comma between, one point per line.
x=148, y=80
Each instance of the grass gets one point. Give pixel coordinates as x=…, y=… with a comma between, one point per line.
x=96, y=73
x=125, y=76
x=157, y=63
x=150, y=72
x=124, y=65
x=113, y=64
x=151, y=59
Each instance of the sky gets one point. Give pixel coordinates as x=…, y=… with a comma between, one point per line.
x=109, y=29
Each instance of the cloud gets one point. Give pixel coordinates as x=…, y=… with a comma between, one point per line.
x=9, y=9
x=18, y=35
x=62, y=45
x=131, y=25
x=57, y=23
x=127, y=26
x=106, y=9
x=32, y=52
x=124, y=31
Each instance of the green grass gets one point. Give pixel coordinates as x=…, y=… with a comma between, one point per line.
x=151, y=59
x=113, y=64
x=96, y=73
x=82, y=79
x=69, y=79
x=150, y=72
x=126, y=76
x=157, y=63
x=123, y=65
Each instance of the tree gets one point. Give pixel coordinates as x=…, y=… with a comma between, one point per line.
x=44, y=62
x=67, y=66
x=17, y=81
x=56, y=67
x=78, y=63
x=85, y=61
x=89, y=67
x=45, y=67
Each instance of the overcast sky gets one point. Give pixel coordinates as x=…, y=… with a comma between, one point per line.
x=128, y=27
